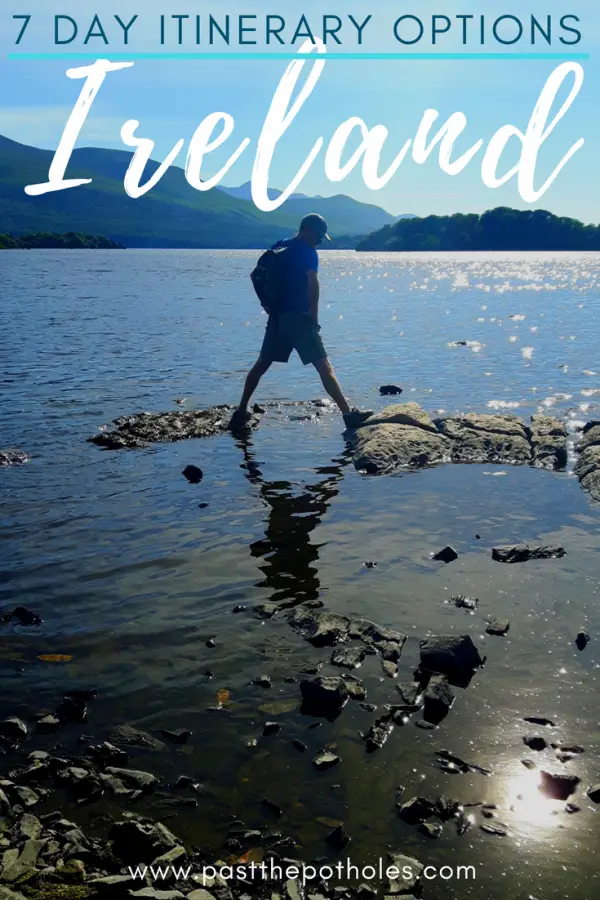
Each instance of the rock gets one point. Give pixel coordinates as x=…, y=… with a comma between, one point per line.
x=370, y=564
x=241, y=607
x=26, y=795
x=107, y=754
x=450, y=654
x=134, y=778
x=548, y=439
x=446, y=555
x=498, y=627
x=387, y=390
x=324, y=694
x=72, y=709
x=338, y=838
x=462, y=602
x=200, y=894
x=496, y=829
x=582, y=640
x=378, y=733
x=390, y=651
x=13, y=730
x=410, y=693
x=389, y=668
x=383, y=448
x=408, y=879
x=374, y=635
x=430, y=829
x=30, y=827
x=587, y=469
x=300, y=745
x=349, y=658
x=416, y=810
x=263, y=681
x=25, y=617
x=273, y=807
x=10, y=457
x=193, y=474
x=535, y=742
x=320, y=628
x=47, y=724
x=356, y=690
x=438, y=699
x=8, y=894
x=266, y=610
x=524, y=552
x=558, y=787
x=129, y=736
x=115, y=785
x=270, y=728
x=460, y=764
x=325, y=760
x=176, y=737
x=135, y=431
x=540, y=720
x=150, y=893
x=140, y=842
x=486, y=438
x=24, y=867
x=211, y=643
x=594, y=793
x=5, y=807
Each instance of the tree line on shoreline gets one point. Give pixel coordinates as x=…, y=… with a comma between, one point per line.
x=48, y=240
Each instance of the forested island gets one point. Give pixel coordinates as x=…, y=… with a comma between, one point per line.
x=49, y=241
x=496, y=229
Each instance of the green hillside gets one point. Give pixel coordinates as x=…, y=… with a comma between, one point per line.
x=173, y=214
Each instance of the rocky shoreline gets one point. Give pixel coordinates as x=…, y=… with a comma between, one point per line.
x=401, y=436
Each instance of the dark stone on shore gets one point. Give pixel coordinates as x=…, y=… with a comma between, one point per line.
x=484, y=438
x=370, y=564
x=263, y=681
x=129, y=736
x=406, y=866
x=548, y=439
x=524, y=552
x=300, y=745
x=389, y=390
x=349, y=658
x=338, y=838
x=389, y=668
x=450, y=654
x=540, y=720
x=400, y=436
x=446, y=555
x=535, y=742
x=498, y=627
x=13, y=730
x=416, y=810
x=558, y=787
x=529, y=764
x=11, y=457
x=270, y=728
x=210, y=643
x=320, y=628
x=72, y=709
x=374, y=635
x=431, y=830
x=438, y=699
x=594, y=793
x=461, y=765
x=582, y=639
x=140, y=842
x=410, y=693
x=193, y=474
x=324, y=694
x=47, y=724
x=498, y=829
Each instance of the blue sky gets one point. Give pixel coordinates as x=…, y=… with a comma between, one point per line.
x=170, y=98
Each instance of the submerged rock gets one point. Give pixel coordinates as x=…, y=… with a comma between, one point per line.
x=517, y=553
x=348, y=657
x=127, y=735
x=320, y=628
x=416, y=810
x=11, y=457
x=325, y=760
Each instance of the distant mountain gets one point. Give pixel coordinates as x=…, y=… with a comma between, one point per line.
x=172, y=214
x=496, y=229
x=344, y=215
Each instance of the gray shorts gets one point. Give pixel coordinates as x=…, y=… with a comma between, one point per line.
x=292, y=331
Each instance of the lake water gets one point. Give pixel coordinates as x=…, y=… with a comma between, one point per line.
x=132, y=568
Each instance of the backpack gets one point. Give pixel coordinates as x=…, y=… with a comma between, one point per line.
x=269, y=279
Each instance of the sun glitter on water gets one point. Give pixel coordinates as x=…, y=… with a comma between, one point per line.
x=528, y=805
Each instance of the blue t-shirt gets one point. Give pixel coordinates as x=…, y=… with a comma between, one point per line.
x=302, y=258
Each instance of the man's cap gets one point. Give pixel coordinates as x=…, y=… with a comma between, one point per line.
x=315, y=223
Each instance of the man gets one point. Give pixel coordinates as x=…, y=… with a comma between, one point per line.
x=297, y=327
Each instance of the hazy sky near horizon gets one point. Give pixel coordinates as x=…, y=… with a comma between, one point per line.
x=170, y=98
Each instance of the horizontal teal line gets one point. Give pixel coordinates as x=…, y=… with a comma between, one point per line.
x=290, y=56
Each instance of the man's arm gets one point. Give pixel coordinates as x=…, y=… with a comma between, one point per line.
x=313, y=294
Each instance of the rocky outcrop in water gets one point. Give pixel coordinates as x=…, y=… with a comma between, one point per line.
x=10, y=457
x=587, y=467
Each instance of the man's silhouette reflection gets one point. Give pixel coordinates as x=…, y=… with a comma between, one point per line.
x=290, y=558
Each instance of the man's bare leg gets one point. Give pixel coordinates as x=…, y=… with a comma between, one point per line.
x=252, y=381
x=332, y=385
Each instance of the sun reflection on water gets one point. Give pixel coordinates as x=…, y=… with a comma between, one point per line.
x=528, y=805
